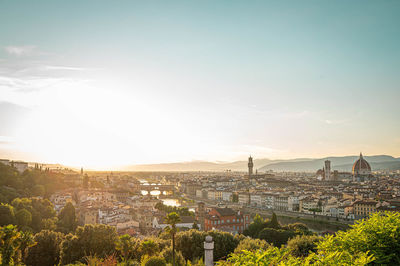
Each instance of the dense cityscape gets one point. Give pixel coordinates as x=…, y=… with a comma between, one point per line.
x=138, y=204
x=224, y=201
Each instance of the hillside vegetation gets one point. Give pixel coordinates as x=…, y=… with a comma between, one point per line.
x=371, y=241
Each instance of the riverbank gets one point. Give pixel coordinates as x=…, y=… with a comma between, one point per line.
x=316, y=223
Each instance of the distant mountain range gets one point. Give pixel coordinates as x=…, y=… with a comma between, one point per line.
x=343, y=163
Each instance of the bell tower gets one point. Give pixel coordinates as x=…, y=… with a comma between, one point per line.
x=250, y=165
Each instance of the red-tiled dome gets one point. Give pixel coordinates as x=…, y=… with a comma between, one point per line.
x=361, y=165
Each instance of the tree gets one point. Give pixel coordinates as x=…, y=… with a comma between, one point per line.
x=250, y=244
x=172, y=219
x=96, y=240
x=167, y=255
x=67, y=219
x=379, y=235
x=47, y=249
x=6, y=214
x=149, y=247
x=277, y=237
x=8, y=243
x=26, y=240
x=23, y=217
x=274, y=222
x=127, y=247
x=226, y=243
x=38, y=190
x=195, y=226
x=299, y=228
x=255, y=226
x=190, y=244
x=301, y=246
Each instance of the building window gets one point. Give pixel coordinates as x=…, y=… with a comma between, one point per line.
x=227, y=221
x=222, y=221
x=233, y=220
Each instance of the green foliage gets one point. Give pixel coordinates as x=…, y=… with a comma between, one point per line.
x=26, y=240
x=6, y=214
x=182, y=211
x=31, y=212
x=282, y=256
x=31, y=183
x=128, y=248
x=153, y=261
x=277, y=237
x=167, y=255
x=195, y=226
x=224, y=242
x=38, y=191
x=23, y=218
x=91, y=240
x=191, y=243
x=9, y=243
x=379, y=235
x=110, y=260
x=298, y=228
x=301, y=246
x=67, y=221
x=172, y=219
x=250, y=244
x=47, y=249
x=274, y=222
x=255, y=226
x=149, y=247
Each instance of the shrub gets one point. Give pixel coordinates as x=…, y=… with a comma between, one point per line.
x=277, y=237
x=379, y=235
x=301, y=246
x=47, y=249
x=250, y=244
x=153, y=261
x=167, y=255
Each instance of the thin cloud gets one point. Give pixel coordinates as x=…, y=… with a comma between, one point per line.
x=335, y=122
x=20, y=50
x=66, y=68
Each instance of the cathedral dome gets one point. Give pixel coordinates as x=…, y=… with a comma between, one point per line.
x=361, y=166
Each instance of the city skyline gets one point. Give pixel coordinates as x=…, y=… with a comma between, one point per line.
x=106, y=85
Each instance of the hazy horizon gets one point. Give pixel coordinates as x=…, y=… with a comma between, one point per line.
x=104, y=84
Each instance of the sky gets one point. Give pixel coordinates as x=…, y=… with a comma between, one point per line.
x=102, y=84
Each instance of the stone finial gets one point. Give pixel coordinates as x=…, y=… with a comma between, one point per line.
x=209, y=251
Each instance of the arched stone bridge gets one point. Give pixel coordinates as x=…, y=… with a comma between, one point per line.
x=161, y=188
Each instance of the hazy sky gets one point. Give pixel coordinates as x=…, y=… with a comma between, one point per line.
x=106, y=83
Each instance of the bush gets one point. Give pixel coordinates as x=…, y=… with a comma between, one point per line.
x=47, y=249
x=153, y=261
x=301, y=246
x=282, y=256
x=298, y=228
x=277, y=237
x=167, y=255
x=379, y=235
x=250, y=244
x=91, y=240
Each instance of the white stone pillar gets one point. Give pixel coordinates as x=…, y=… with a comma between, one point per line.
x=208, y=251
